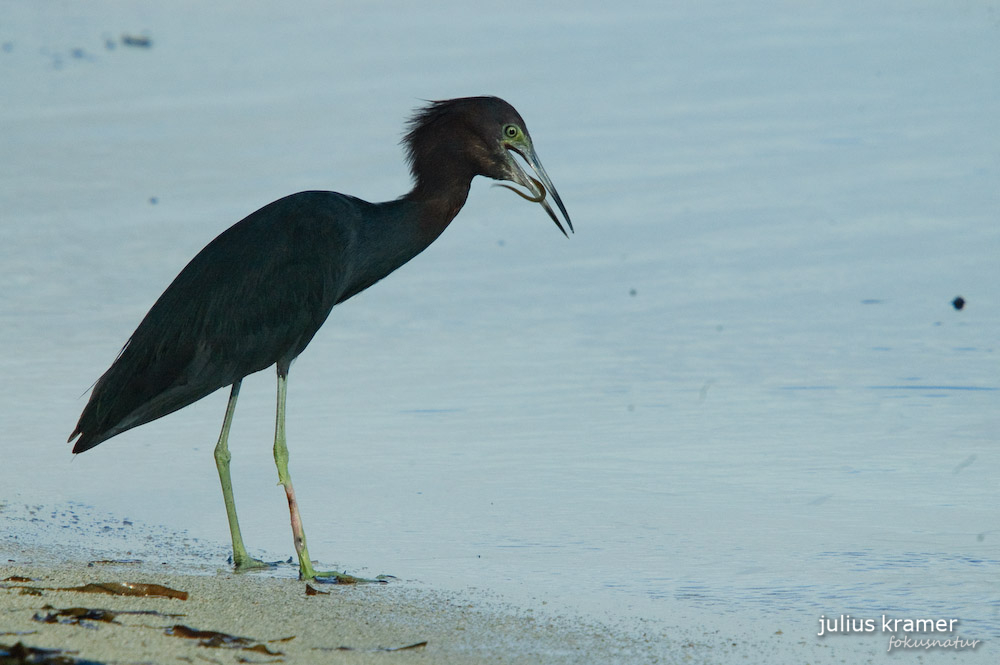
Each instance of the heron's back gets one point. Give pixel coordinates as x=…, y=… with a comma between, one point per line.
x=253, y=297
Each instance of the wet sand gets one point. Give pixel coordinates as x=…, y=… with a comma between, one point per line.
x=271, y=616
x=282, y=622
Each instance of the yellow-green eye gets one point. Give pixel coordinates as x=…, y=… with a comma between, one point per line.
x=511, y=131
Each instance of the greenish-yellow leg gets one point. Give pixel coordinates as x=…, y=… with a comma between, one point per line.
x=241, y=560
x=306, y=570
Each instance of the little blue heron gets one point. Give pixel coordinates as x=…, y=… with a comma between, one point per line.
x=256, y=295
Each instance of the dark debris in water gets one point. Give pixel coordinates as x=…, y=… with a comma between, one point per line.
x=137, y=41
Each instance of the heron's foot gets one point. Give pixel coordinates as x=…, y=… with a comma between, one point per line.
x=248, y=564
x=334, y=577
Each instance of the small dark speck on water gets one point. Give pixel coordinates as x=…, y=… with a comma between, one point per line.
x=871, y=301
x=138, y=41
x=153, y=200
x=958, y=303
x=7, y=47
x=632, y=292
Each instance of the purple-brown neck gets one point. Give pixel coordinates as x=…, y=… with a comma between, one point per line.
x=438, y=206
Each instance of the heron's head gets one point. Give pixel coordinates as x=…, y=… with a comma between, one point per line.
x=479, y=136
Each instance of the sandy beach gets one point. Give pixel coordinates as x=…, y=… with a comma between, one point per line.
x=80, y=611
x=237, y=618
x=93, y=588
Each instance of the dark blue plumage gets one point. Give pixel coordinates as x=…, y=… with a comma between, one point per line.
x=256, y=295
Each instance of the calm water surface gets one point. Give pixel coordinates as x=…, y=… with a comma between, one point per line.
x=739, y=395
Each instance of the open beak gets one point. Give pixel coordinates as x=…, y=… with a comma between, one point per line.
x=539, y=187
